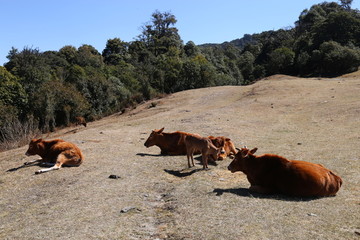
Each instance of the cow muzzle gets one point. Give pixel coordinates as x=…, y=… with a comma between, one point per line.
x=230, y=169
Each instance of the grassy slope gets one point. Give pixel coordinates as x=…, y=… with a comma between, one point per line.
x=315, y=120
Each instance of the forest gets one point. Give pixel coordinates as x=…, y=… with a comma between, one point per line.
x=42, y=91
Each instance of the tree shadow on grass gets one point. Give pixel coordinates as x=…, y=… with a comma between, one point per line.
x=245, y=192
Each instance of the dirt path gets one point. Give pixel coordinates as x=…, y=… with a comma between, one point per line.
x=157, y=197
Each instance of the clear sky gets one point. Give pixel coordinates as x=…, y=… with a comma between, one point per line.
x=51, y=25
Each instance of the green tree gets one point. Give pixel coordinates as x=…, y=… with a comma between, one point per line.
x=69, y=53
x=196, y=72
x=281, y=61
x=341, y=27
x=31, y=68
x=246, y=65
x=87, y=55
x=11, y=91
x=336, y=59
x=346, y=4
x=140, y=54
x=115, y=51
x=317, y=14
x=191, y=49
x=160, y=35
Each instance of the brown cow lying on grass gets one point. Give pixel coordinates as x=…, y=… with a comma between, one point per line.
x=56, y=152
x=270, y=173
x=169, y=143
x=204, y=145
x=226, y=145
x=80, y=121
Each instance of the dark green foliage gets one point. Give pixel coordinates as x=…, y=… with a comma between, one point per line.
x=342, y=27
x=160, y=35
x=281, y=60
x=336, y=59
x=51, y=88
x=115, y=51
x=12, y=92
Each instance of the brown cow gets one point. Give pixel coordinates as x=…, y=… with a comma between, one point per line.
x=204, y=145
x=169, y=143
x=56, y=152
x=226, y=145
x=80, y=121
x=271, y=173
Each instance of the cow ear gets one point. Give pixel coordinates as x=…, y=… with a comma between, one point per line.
x=227, y=139
x=160, y=131
x=252, y=151
x=244, y=154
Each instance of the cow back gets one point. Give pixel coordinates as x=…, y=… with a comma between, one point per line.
x=308, y=179
x=70, y=150
x=172, y=143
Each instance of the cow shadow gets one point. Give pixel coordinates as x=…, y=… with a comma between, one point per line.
x=245, y=192
x=40, y=164
x=198, y=158
x=182, y=173
x=149, y=154
x=17, y=168
x=210, y=162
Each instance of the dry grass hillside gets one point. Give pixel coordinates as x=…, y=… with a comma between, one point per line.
x=158, y=197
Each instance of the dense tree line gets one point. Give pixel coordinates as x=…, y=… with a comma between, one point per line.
x=324, y=42
x=51, y=88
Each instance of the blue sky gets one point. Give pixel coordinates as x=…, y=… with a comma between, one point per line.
x=51, y=25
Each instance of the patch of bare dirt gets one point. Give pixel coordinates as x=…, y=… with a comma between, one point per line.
x=158, y=197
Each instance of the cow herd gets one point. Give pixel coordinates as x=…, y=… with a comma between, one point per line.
x=267, y=174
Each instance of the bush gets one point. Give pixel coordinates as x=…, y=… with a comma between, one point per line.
x=336, y=59
x=281, y=60
x=13, y=132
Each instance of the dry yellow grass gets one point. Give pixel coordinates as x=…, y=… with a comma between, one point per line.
x=315, y=120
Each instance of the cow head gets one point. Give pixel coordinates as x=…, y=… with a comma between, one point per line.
x=242, y=156
x=34, y=147
x=219, y=142
x=152, y=139
x=214, y=151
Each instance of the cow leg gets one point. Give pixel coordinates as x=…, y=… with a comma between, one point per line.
x=46, y=164
x=188, y=158
x=192, y=158
x=59, y=162
x=204, y=160
x=31, y=162
x=55, y=167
